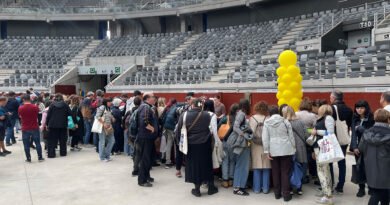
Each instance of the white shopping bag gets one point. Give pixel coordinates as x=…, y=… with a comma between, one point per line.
x=330, y=150
x=183, y=144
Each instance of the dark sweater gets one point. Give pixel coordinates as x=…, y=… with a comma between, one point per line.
x=200, y=132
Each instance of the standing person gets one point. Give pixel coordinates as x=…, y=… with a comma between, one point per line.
x=130, y=102
x=362, y=120
x=169, y=122
x=300, y=136
x=39, y=102
x=136, y=149
x=385, y=100
x=345, y=114
x=324, y=125
x=12, y=108
x=279, y=145
x=57, y=123
x=161, y=106
x=147, y=134
x=44, y=130
x=219, y=107
x=28, y=113
x=86, y=111
x=261, y=165
x=3, y=125
x=375, y=149
x=228, y=162
x=306, y=115
x=77, y=118
x=241, y=153
x=106, y=137
x=117, y=125
x=199, y=166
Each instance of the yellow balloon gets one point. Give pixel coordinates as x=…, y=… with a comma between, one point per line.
x=299, y=94
x=298, y=78
x=282, y=87
x=287, y=58
x=287, y=78
x=295, y=87
x=282, y=101
x=278, y=80
x=295, y=102
x=279, y=95
x=287, y=94
x=281, y=71
x=293, y=70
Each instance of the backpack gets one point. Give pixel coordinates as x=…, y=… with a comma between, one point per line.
x=133, y=124
x=170, y=118
x=258, y=132
x=224, y=129
x=86, y=112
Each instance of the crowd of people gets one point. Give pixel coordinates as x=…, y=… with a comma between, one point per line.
x=247, y=146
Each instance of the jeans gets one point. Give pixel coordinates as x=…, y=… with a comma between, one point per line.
x=228, y=163
x=170, y=136
x=241, y=169
x=342, y=170
x=105, y=145
x=261, y=180
x=127, y=148
x=281, y=170
x=10, y=136
x=87, y=130
x=33, y=135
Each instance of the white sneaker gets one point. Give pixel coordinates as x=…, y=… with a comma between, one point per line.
x=108, y=160
x=325, y=200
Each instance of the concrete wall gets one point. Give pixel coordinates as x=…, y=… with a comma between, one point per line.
x=131, y=27
x=172, y=24
x=58, y=28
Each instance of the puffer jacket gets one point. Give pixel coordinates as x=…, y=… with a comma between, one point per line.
x=375, y=149
x=278, y=137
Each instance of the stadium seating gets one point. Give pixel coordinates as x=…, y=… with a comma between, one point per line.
x=38, y=60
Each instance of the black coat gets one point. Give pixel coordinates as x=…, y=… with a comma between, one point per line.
x=358, y=127
x=57, y=115
x=76, y=114
x=200, y=131
x=375, y=148
x=345, y=113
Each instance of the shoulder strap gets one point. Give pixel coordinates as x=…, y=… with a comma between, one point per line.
x=337, y=113
x=195, y=121
x=257, y=122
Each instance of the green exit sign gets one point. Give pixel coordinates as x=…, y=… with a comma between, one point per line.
x=117, y=70
x=92, y=70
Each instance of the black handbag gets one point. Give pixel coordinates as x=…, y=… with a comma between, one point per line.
x=358, y=172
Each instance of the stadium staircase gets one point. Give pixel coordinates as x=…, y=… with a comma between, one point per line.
x=224, y=71
x=300, y=26
x=168, y=58
x=80, y=57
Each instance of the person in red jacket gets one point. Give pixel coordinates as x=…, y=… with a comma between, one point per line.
x=28, y=113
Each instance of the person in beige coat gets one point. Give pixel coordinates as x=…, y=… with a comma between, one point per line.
x=261, y=165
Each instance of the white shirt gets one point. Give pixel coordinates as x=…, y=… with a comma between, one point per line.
x=387, y=107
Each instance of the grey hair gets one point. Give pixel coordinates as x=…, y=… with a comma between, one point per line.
x=386, y=96
x=338, y=95
x=99, y=93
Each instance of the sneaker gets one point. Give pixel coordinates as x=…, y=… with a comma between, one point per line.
x=78, y=148
x=278, y=196
x=72, y=149
x=299, y=191
x=287, y=198
x=168, y=166
x=178, y=174
x=240, y=192
x=324, y=200
x=230, y=182
x=108, y=160
x=28, y=160
x=134, y=173
x=150, y=180
x=319, y=194
x=147, y=184
x=41, y=159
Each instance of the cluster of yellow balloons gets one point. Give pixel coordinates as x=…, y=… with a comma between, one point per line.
x=289, y=80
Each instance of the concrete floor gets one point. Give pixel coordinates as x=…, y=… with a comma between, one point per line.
x=80, y=178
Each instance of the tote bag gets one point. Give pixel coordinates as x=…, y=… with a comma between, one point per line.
x=342, y=130
x=97, y=126
x=330, y=150
x=183, y=144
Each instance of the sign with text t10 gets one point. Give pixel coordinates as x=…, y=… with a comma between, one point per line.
x=366, y=24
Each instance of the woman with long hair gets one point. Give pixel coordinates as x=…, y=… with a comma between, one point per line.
x=362, y=120
x=77, y=117
x=261, y=165
x=106, y=137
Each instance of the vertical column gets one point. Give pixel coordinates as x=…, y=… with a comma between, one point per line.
x=3, y=29
x=119, y=28
x=182, y=24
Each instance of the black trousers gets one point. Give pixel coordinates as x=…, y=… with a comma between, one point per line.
x=379, y=195
x=179, y=158
x=146, y=157
x=136, y=157
x=75, y=141
x=281, y=169
x=57, y=135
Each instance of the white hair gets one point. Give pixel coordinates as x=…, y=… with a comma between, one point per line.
x=116, y=102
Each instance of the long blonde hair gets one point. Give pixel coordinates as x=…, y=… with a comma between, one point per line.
x=325, y=110
x=288, y=113
x=161, y=102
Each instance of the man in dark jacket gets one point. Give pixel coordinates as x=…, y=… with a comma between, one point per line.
x=345, y=114
x=375, y=146
x=12, y=108
x=57, y=122
x=147, y=134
